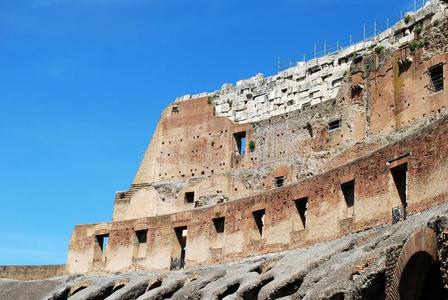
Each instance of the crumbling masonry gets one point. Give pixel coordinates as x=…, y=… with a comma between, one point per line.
x=341, y=153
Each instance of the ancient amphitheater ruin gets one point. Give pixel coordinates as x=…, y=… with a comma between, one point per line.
x=327, y=180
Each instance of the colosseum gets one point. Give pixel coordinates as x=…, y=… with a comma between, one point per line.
x=327, y=180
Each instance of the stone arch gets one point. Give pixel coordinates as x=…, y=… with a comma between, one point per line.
x=415, y=267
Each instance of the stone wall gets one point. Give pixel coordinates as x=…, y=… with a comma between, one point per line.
x=328, y=214
x=193, y=150
x=32, y=272
x=366, y=90
x=346, y=157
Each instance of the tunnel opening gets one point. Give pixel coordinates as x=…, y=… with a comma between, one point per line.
x=153, y=285
x=252, y=293
x=289, y=288
x=230, y=290
x=421, y=279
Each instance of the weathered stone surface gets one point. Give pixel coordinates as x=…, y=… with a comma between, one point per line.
x=319, y=159
x=353, y=266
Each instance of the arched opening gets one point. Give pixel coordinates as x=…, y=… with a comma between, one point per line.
x=421, y=279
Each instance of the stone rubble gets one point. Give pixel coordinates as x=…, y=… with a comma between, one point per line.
x=308, y=83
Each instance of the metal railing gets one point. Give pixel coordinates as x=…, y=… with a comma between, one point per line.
x=370, y=32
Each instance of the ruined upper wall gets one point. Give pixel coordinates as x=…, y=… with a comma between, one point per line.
x=374, y=153
x=308, y=83
x=194, y=148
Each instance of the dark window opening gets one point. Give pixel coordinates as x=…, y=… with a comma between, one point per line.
x=230, y=290
x=279, y=181
x=189, y=197
x=302, y=206
x=141, y=236
x=357, y=59
x=357, y=90
x=219, y=224
x=240, y=139
x=306, y=105
x=310, y=129
x=175, y=109
x=348, y=189
x=259, y=220
x=102, y=240
x=334, y=125
x=399, y=174
x=436, y=74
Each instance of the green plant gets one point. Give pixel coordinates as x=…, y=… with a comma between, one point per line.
x=379, y=49
x=251, y=145
x=407, y=19
x=414, y=45
x=418, y=30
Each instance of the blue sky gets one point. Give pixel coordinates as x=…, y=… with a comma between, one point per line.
x=83, y=82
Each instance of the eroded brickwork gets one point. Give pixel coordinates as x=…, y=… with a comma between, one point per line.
x=213, y=188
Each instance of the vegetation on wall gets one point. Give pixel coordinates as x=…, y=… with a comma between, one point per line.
x=414, y=45
x=251, y=145
x=379, y=49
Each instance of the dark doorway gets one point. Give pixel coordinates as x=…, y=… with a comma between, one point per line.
x=219, y=224
x=141, y=236
x=259, y=220
x=302, y=205
x=421, y=279
x=399, y=175
x=348, y=189
x=178, y=255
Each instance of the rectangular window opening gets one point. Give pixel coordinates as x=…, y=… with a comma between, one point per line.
x=142, y=236
x=436, y=75
x=259, y=216
x=279, y=181
x=399, y=175
x=334, y=125
x=189, y=197
x=175, y=109
x=219, y=224
x=348, y=189
x=102, y=240
x=240, y=140
x=302, y=206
